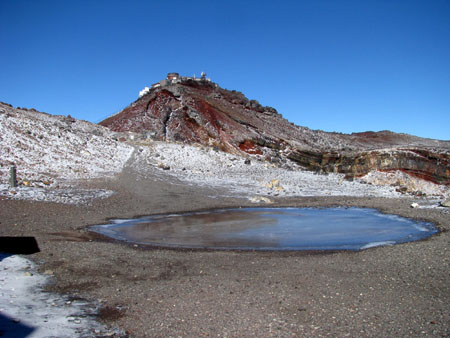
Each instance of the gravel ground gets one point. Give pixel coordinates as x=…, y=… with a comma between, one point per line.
x=392, y=291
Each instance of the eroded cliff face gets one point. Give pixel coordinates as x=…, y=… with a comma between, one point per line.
x=425, y=164
x=199, y=111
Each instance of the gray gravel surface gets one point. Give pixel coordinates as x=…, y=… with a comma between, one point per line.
x=393, y=291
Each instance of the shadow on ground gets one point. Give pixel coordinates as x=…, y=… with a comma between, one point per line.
x=18, y=245
x=12, y=328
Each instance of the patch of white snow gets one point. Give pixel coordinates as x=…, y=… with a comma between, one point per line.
x=27, y=311
x=48, y=150
x=45, y=147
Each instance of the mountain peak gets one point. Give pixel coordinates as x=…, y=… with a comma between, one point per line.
x=197, y=110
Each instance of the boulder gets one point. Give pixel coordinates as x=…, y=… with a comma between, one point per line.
x=261, y=199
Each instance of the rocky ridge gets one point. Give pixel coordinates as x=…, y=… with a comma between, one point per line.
x=190, y=110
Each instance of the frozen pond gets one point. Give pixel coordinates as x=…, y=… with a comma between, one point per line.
x=270, y=229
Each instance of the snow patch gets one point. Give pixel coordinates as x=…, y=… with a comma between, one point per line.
x=46, y=148
x=144, y=91
x=27, y=311
x=48, y=151
x=68, y=195
x=377, y=244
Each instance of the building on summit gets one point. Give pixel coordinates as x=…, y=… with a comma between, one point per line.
x=173, y=78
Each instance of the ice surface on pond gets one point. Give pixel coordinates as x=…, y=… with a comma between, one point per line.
x=271, y=229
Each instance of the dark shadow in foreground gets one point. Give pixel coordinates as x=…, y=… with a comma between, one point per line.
x=13, y=329
x=19, y=245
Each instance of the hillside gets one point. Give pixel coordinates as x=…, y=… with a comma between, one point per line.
x=191, y=110
x=193, y=131
x=49, y=151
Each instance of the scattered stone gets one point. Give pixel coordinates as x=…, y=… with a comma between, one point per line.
x=446, y=203
x=260, y=199
x=402, y=189
x=414, y=205
x=163, y=166
x=247, y=161
x=275, y=185
x=275, y=160
x=48, y=272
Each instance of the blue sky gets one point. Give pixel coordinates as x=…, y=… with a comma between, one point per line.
x=344, y=66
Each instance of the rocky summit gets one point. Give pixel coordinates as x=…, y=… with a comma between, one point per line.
x=197, y=110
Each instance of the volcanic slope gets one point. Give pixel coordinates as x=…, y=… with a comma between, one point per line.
x=193, y=110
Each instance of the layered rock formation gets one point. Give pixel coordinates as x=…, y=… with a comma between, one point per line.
x=199, y=111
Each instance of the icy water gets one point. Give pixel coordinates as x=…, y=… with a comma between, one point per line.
x=270, y=229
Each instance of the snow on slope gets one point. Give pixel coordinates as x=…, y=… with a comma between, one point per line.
x=49, y=150
x=45, y=147
x=198, y=165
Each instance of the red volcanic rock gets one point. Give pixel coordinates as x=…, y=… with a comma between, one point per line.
x=198, y=111
x=249, y=147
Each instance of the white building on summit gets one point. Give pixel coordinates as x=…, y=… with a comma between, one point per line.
x=173, y=78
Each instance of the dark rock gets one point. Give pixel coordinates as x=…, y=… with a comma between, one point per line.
x=97, y=132
x=402, y=189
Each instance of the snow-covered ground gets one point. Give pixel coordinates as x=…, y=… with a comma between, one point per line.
x=49, y=152
x=45, y=148
x=27, y=311
x=203, y=166
x=66, y=195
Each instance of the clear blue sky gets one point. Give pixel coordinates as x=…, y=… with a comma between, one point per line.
x=343, y=66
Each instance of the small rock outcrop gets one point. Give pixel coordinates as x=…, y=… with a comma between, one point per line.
x=196, y=110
